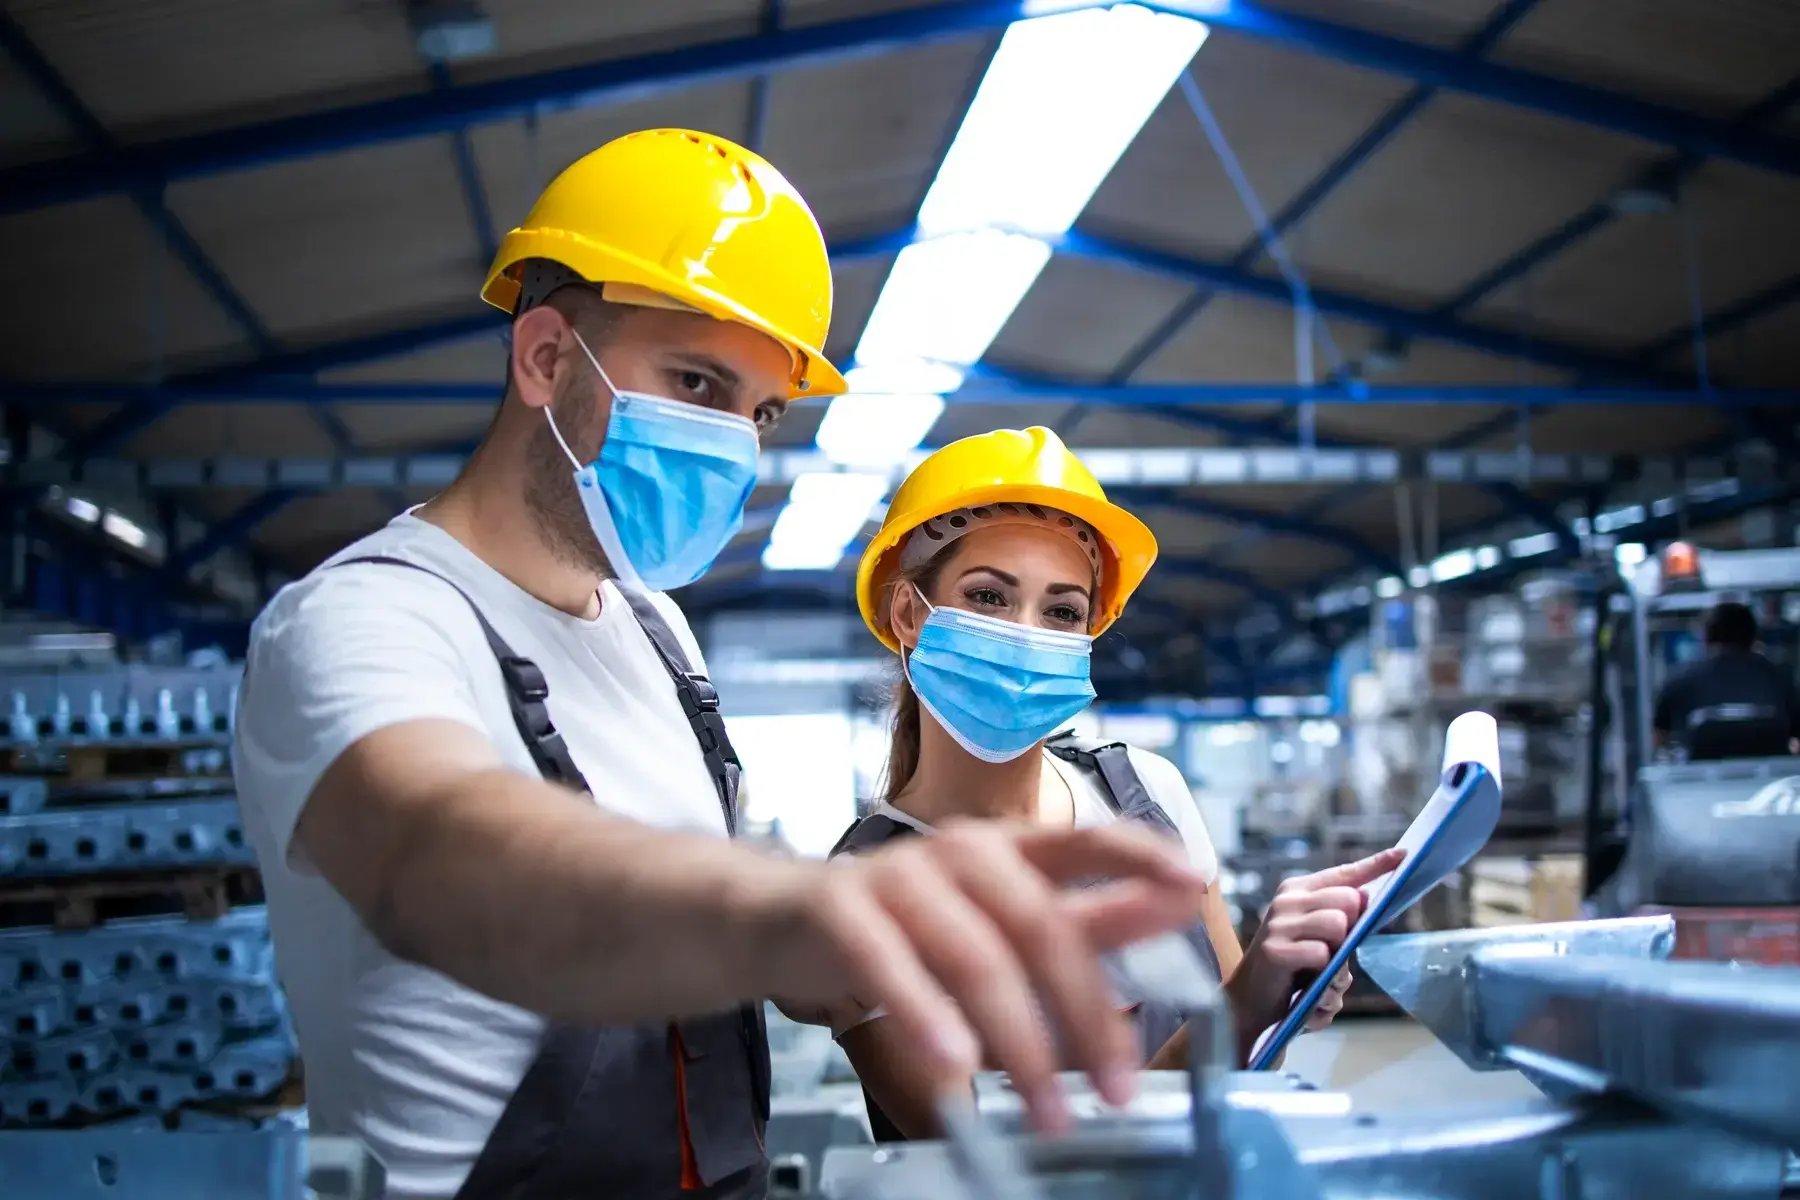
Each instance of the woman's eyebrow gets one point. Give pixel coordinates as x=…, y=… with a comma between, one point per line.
x=1063, y=589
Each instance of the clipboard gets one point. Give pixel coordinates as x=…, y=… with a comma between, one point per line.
x=1452, y=827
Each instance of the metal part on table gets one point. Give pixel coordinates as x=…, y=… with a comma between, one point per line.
x=1427, y=974
x=276, y=1163
x=1706, y=1042
x=123, y=837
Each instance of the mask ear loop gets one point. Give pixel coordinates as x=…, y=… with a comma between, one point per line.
x=604, y=378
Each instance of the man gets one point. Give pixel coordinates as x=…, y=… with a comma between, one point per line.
x=1734, y=703
x=490, y=792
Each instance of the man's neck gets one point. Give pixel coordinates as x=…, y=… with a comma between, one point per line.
x=951, y=782
x=485, y=510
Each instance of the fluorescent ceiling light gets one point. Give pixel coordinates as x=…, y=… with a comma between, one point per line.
x=1453, y=565
x=83, y=510
x=1389, y=586
x=1534, y=544
x=125, y=529
x=1419, y=576
x=1062, y=98
x=886, y=414
x=947, y=298
x=825, y=510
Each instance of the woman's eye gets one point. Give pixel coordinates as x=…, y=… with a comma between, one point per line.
x=987, y=597
x=1064, y=614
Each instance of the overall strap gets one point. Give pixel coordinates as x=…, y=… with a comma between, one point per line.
x=870, y=832
x=1121, y=785
x=526, y=690
x=699, y=701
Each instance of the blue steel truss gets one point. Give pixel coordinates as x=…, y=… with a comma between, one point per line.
x=442, y=111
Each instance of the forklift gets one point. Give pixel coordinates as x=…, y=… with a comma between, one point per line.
x=1689, y=828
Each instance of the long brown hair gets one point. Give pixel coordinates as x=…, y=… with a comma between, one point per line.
x=903, y=742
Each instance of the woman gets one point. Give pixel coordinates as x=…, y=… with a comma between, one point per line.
x=998, y=562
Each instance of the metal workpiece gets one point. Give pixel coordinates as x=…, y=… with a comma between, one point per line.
x=1428, y=974
x=1522, y=1150
x=1705, y=1042
x=275, y=1163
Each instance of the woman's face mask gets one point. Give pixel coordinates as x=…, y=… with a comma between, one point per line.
x=668, y=490
x=996, y=687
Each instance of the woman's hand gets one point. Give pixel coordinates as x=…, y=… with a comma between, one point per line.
x=1308, y=920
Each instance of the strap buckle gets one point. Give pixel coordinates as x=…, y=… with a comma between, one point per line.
x=524, y=679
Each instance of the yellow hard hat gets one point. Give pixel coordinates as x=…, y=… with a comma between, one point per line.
x=694, y=218
x=1025, y=466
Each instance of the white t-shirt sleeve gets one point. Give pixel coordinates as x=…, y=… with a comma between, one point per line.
x=334, y=658
x=1169, y=788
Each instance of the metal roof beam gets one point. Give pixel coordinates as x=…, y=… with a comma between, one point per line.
x=232, y=532
x=285, y=139
x=1281, y=524
x=1314, y=194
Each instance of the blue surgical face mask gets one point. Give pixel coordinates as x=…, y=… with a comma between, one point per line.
x=668, y=490
x=997, y=688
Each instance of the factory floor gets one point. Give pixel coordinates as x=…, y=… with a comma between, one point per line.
x=1390, y=1064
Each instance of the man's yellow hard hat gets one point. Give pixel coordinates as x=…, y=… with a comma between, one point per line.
x=694, y=218
x=1023, y=466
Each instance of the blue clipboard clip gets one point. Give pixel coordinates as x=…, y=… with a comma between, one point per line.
x=1450, y=830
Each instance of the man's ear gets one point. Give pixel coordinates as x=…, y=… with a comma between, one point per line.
x=537, y=346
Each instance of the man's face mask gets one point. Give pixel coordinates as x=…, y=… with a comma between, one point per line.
x=668, y=491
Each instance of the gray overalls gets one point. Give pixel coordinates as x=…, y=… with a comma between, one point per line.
x=597, y=1113
x=1126, y=794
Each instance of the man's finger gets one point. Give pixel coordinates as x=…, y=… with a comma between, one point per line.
x=1110, y=851
x=1058, y=958
x=973, y=962
x=1360, y=872
x=884, y=967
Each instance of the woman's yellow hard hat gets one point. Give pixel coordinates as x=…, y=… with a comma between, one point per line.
x=674, y=215
x=1024, y=466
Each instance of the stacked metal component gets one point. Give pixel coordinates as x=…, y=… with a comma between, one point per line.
x=1666, y=1079
x=136, y=974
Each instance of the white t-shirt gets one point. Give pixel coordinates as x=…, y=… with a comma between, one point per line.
x=1161, y=778
x=417, y=1066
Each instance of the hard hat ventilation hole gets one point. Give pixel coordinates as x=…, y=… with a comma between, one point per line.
x=958, y=522
x=979, y=512
x=932, y=532
x=1081, y=535
x=1040, y=514
x=1068, y=522
x=1008, y=507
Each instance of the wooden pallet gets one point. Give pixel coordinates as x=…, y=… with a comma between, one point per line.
x=73, y=904
x=76, y=763
x=1521, y=891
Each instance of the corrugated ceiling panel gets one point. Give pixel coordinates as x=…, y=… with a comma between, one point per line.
x=339, y=242
x=1373, y=513
x=381, y=429
x=855, y=285
x=30, y=127
x=1628, y=282
x=473, y=360
x=1288, y=562
x=1082, y=317
x=1179, y=534
x=1651, y=429
x=541, y=35
x=1718, y=57
x=1236, y=338
x=1287, y=115
x=315, y=527
x=101, y=297
x=1111, y=425
x=1460, y=188
x=1430, y=22
x=196, y=430
x=152, y=68
x=1764, y=352
x=862, y=139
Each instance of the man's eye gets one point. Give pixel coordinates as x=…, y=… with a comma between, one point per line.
x=695, y=383
x=767, y=415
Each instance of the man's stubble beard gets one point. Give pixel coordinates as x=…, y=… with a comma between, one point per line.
x=550, y=494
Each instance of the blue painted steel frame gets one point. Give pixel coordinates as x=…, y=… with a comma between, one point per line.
x=594, y=83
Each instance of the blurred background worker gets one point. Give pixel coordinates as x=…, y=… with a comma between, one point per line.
x=490, y=789
x=1734, y=702
x=998, y=563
